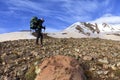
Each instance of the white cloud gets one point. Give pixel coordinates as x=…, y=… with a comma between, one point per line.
x=107, y=15
x=27, y=5
x=23, y=4
x=108, y=18
x=106, y=2
x=80, y=10
x=72, y=19
x=80, y=7
x=73, y=11
x=6, y=12
x=70, y=9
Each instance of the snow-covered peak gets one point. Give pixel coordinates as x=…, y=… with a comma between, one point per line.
x=92, y=28
x=89, y=30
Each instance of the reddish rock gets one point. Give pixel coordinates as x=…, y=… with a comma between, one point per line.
x=60, y=68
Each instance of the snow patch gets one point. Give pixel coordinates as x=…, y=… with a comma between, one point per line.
x=15, y=36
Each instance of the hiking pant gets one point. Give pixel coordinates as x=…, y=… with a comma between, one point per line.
x=39, y=35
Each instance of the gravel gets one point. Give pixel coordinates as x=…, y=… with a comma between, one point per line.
x=99, y=58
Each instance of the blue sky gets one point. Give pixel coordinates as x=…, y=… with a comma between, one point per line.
x=58, y=14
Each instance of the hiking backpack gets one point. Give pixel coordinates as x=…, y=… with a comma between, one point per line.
x=33, y=23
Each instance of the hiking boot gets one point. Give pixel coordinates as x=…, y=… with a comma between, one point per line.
x=37, y=43
x=41, y=45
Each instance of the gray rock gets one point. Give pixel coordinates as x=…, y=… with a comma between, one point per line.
x=89, y=58
x=113, y=67
x=118, y=64
x=104, y=61
x=105, y=66
x=102, y=72
x=77, y=50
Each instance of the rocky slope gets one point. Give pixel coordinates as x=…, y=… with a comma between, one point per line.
x=99, y=58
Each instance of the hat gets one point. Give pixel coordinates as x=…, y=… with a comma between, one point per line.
x=42, y=19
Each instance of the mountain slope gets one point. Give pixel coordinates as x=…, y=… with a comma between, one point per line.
x=83, y=29
x=15, y=36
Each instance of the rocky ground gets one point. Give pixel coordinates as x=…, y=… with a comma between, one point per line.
x=99, y=58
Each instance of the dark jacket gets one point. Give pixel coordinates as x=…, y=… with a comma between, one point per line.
x=39, y=25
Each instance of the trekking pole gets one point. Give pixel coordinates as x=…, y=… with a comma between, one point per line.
x=44, y=32
x=44, y=29
x=30, y=31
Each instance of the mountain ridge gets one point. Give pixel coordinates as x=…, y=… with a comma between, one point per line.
x=96, y=27
x=87, y=29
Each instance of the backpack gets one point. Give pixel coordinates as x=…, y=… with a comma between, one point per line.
x=33, y=23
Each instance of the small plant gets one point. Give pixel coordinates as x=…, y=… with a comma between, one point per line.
x=88, y=74
x=99, y=64
x=1, y=60
x=117, y=72
x=30, y=75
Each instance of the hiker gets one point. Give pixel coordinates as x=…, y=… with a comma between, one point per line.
x=39, y=31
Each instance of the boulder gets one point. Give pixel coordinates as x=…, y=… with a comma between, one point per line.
x=60, y=68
